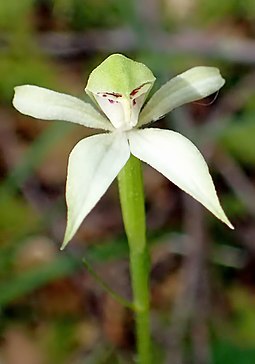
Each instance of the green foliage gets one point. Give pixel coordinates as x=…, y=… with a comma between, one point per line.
x=81, y=15
x=238, y=138
x=16, y=218
x=235, y=339
x=21, y=62
x=213, y=11
x=34, y=156
x=209, y=13
x=225, y=351
x=23, y=283
x=243, y=316
x=60, y=342
x=234, y=206
x=14, y=15
x=23, y=67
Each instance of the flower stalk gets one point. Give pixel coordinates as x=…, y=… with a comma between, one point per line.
x=132, y=204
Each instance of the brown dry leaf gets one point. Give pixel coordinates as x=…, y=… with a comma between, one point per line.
x=180, y=9
x=104, y=222
x=61, y=297
x=35, y=252
x=53, y=169
x=87, y=334
x=114, y=320
x=19, y=348
x=164, y=293
x=160, y=196
x=166, y=275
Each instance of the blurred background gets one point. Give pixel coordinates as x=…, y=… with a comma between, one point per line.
x=203, y=275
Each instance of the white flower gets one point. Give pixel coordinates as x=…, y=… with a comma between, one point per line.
x=119, y=87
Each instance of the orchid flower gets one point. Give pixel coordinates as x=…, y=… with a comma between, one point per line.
x=118, y=88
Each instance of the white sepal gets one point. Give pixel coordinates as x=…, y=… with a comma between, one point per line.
x=180, y=161
x=192, y=85
x=45, y=104
x=93, y=164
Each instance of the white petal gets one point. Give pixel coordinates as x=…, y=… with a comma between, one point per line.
x=180, y=161
x=192, y=85
x=93, y=164
x=42, y=103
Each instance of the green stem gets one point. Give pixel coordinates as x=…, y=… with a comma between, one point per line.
x=133, y=211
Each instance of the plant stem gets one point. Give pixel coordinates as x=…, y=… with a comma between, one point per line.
x=132, y=203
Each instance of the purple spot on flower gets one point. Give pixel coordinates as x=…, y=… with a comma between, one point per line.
x=105, y=94
x=114, y=94
x=136, y=90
